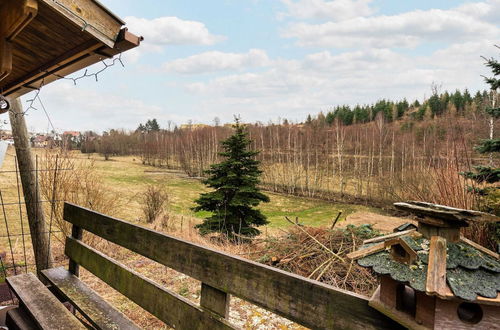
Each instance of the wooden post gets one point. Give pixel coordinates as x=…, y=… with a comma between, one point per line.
x=34, y=210
x=215, y=300
x=76, y=233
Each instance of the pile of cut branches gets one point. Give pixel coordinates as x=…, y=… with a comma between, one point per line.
x=320, y=254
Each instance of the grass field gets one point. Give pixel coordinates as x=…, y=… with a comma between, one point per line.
x=126, y=178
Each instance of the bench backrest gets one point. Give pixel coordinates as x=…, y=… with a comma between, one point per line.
x=307, y=302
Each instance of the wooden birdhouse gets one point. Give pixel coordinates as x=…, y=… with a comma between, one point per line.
x=432, y=277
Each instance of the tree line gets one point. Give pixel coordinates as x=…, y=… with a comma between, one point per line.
x=414, y=153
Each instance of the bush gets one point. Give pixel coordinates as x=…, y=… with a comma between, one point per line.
x=74, y=183
x=154, y=200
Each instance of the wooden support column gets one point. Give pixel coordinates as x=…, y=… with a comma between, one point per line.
x=39, y=237
x=214, y=300
x=76, y=233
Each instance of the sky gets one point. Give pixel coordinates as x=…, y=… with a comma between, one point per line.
x=266, y=60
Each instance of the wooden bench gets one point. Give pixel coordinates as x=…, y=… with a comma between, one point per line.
x=307, y=302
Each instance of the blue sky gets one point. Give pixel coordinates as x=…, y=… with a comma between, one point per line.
x=271, y=59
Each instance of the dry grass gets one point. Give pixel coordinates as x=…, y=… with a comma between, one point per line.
x=320, y=254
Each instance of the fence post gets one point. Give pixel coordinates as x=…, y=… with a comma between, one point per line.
x=31, y=191
x=215, y=300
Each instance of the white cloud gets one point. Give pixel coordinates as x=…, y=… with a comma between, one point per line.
x=172, y=31
x=100, y=110
x=408, y=29
x=292, y=89
x=336, y=10
x=218, y=61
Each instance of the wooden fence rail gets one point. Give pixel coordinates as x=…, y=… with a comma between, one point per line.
x=307, y=302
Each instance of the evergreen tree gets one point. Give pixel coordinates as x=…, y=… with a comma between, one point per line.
x=489, y=174
x=152, y=125
x=235, y=195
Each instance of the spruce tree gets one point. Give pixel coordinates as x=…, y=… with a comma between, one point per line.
x=235, y=193
x=490, y=173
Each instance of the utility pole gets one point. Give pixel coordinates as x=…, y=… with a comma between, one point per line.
x=31, y=191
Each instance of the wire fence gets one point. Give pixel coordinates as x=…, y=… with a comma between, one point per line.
x=16, y=248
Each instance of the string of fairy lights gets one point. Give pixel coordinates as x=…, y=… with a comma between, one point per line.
x=35, y=103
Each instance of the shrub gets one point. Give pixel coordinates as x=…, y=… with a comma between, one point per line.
x=154, y=200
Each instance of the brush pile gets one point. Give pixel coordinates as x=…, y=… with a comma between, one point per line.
x=320, y=254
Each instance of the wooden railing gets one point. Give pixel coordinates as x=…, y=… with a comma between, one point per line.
x=307, y=302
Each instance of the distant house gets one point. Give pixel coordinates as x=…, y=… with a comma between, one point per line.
x=71, y=139
x=193, y=126
x=40, y=141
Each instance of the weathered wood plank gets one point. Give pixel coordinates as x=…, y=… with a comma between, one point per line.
x=366, y=251
x=92, y=306
x=76, y=59
x=41, y=304
x=446, y=213
x=292, y=296
x=15, y=16
x=436, y=272
x=17, y=319
x=402, y=317
x=76, y=233
x=91, y=17
x=215, y=300
x=166, y=305
x=383, y=238
x=480, y=248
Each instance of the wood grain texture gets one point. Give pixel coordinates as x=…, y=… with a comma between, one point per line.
x=46, y=311
x=436, y=271
x=171, y=308
x=89, y=17
x=15, y=15
x=307, y=302
x=383, y=238
x=215, y=300
x=31, y=190
x=425, y=309
x=450, y=215
x=446, y=317
x=480, y=248
x=402, y=318
x=17, y=319
x=92, y=306
x=367, y=251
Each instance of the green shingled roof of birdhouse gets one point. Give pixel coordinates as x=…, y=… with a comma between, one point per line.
x=469, y=272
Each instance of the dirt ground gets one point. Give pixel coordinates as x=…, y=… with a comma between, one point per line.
x=378, y=221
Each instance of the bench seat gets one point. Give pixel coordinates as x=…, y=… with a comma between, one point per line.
x=43, y=307
x=95, y=309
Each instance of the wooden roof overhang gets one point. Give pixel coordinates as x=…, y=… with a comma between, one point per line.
x=44, y=40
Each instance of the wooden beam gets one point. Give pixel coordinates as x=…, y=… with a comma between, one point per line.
x=367, y=251
x=436, y=270
x=90, y=17
x=171, y=308
x=15, y=15
x=480, y=247
x=446, y=213
x=292, y=296
x=77, y=59
x=215, y=300
x=383, y=238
